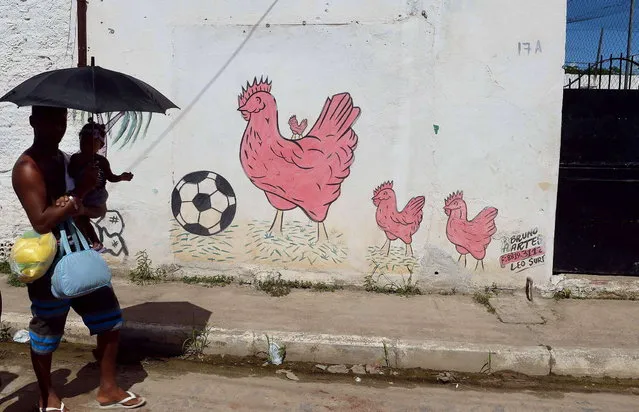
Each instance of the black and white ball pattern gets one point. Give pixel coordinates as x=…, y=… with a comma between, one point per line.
x=203, y=203
x=5, y=250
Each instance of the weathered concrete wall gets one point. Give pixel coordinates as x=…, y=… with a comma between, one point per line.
x=36, y=36
x=454, y=96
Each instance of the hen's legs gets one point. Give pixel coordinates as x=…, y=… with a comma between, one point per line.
x=460, y=256
x=276, y=227
x=322, y=234
x=482, y=264
x=386, y=247
x=409, y=250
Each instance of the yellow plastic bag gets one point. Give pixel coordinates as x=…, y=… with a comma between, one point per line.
x=32, y=255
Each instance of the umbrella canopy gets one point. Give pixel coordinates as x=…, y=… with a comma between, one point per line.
x=92, y=89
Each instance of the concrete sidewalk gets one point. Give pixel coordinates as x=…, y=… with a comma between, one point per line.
x=571, y=337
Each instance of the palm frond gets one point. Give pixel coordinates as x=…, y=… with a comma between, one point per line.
x=130, y=130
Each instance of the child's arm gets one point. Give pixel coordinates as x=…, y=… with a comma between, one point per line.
x=112, y=177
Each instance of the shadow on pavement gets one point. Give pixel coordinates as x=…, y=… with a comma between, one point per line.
x=140, y=343
x=26, y=398
x=6, y=378
x=87, y=380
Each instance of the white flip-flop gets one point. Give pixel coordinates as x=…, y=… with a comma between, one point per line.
x=121, y=404
x=52, y=409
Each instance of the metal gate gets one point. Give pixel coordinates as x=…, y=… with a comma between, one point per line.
x=597, y=222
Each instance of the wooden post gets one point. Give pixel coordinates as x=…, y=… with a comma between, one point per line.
x=82, y=33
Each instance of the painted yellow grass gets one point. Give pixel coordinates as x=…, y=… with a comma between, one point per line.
x=396, y=261
x=217, y=248
x=297, y=247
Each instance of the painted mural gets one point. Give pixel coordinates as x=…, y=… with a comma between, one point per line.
x=469, y=236
x=396, y=225
x=203, y=203
x=296, y=127
x=522, y=251
x=110, y=231
x=5, y=249
x=303, y=172
x=133, y=126
x=222, y=247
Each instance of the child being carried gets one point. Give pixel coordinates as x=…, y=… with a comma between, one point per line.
x=92, y=139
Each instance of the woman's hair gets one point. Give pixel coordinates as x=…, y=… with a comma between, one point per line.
x=92, y=129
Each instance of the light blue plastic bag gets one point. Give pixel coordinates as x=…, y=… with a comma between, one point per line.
x=80, y=271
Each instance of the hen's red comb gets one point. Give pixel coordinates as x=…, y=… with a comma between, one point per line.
x=385, y=185
x=454, y=196
x=262, y=86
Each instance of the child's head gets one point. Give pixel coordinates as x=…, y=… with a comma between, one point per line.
x=92, y=137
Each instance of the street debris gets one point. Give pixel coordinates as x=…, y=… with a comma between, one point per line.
x=337, y=369
x=446, y=377
x=21, y=336
x=275, y=353
x=322, y=367
x=359, y=370
x=373, y=370
x=358, y=379
x=289, y=374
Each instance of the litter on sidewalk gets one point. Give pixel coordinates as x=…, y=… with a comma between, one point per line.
x=21, y=336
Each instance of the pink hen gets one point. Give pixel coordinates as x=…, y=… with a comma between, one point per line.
x=397, y=225
x=297, y=128
x=472, y=236
x=307, y=172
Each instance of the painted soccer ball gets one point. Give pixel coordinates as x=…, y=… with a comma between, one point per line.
x=203, y=203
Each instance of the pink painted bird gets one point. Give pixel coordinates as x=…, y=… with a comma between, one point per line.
x=307, y=172
x=297, y=128
x=397, y=225
x=472, y=236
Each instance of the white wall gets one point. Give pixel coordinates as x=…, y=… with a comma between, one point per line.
x=36, y=36
x=408, y=65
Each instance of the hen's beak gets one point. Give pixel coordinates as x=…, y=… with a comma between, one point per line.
x=241, y=108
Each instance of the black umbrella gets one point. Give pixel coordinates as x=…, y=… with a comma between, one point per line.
x=92, y=89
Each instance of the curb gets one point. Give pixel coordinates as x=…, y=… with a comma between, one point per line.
x=352, y=350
